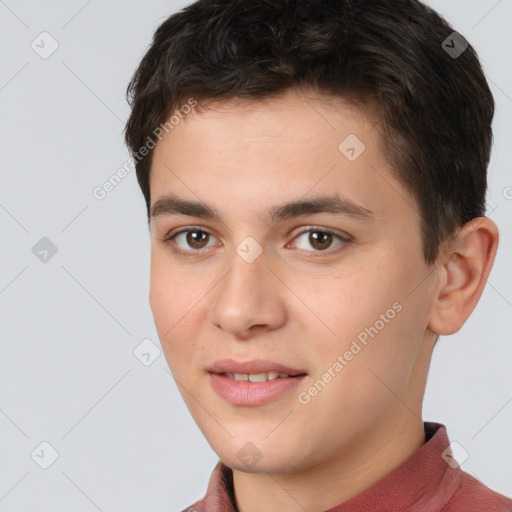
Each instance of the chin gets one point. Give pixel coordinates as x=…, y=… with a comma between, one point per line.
x=276, y=465
x=255, y=454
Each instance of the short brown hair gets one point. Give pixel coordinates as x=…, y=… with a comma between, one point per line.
x=434, y=105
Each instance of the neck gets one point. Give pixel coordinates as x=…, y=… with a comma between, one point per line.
x=337, y=479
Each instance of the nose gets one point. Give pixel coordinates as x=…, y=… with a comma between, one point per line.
x=249, y=299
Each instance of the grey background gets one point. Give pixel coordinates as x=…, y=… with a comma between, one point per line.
x=70, y=324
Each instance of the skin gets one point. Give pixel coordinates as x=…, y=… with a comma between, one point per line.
x=243, y=157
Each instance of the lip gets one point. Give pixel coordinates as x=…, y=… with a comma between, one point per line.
x=253, y=366
x=244, y=393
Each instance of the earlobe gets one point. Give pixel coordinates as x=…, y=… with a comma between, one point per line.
x=467, y=263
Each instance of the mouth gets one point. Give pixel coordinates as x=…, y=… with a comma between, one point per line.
x=256, y=369
x=258, y=377
x=255, y=382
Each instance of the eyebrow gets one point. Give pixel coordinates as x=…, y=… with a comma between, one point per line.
x=335, y=204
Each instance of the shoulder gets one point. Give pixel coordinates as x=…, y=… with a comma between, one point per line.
x=473, y=496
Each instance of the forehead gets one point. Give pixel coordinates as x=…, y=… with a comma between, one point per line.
x=279, y=148
x=292, y=116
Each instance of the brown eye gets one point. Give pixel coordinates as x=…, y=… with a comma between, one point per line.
x=196, y=239
x=320, y=240
x=189, y=240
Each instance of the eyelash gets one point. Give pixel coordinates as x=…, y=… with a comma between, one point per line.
x=198, y=253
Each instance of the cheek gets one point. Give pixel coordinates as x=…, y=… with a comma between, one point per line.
x=346, y=305
x=162, y=291
x=367, y=316
x=174, y=304
x=172, y=292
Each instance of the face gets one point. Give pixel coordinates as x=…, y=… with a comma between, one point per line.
x=333, y=288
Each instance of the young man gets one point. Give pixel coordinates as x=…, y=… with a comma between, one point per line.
x=315, y=179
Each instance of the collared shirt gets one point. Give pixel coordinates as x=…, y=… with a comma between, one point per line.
x=429, y=481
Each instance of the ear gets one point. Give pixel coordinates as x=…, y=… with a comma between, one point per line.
x=465, y=266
